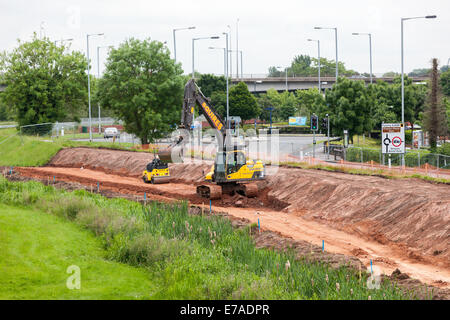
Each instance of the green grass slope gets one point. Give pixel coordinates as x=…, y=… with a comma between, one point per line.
x=36, y=249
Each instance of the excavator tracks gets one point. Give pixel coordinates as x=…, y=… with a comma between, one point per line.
x=212, y=192
x=250, y=190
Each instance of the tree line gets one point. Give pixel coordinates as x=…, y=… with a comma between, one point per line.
x=143, y=86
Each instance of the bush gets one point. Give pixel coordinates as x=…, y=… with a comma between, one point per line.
x=408, y=136
x=354, y=155
x=444, y=149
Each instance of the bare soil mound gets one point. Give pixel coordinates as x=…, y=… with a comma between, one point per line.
x=410, y=214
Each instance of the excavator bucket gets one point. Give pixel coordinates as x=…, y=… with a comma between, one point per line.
x=174, y=152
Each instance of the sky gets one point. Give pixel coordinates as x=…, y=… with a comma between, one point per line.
x=270, y=33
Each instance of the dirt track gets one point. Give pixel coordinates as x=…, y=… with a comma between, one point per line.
x=355, y=215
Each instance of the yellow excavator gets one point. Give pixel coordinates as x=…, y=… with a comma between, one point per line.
x=232, y=172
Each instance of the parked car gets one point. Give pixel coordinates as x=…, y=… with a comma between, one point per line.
x=111, y=133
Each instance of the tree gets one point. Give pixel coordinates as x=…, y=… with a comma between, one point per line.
x=242, y=102
x=210, y=83
x=445, y=82
x=264, y=103
x=419, y=73
x=435, y=115
x=144, y=88
x=44, y=83
x=311, y=101
x=391, y=74
x=219, y=102
x=305, y=66
x=288, y=107
x=390, y=95
x=351, y=106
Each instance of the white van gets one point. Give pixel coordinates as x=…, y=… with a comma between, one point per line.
x=111, y=133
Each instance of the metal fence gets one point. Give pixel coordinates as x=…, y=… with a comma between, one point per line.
x=413, y=158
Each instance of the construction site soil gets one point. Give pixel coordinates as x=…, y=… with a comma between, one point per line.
x=397, y=223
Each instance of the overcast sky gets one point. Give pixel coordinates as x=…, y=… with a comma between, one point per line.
x=271, y=32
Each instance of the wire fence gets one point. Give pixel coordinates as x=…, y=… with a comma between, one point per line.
x=413, y=158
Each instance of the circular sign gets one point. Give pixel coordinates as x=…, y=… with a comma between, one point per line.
x=397, y=142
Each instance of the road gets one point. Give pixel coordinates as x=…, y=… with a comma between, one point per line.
x=288, y=144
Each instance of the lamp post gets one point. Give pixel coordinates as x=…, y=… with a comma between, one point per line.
x=237, y=48
x=230, y=60
x=227, y=80
x=286, y=76
x=370, y=48
x=403, y=73
x=175, y=41
x=237, y=61
x=193, y=51
x=98, y=77
x=336, y=38
x=224, y=58
x=89, y=82
x=318, y=49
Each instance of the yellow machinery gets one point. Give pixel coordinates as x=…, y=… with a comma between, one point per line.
x=157, y=172
x=231, y=172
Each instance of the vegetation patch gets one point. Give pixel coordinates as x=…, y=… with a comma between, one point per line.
x=193, y=256
x=38, y=248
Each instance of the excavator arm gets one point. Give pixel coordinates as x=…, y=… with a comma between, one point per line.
x=193, y=96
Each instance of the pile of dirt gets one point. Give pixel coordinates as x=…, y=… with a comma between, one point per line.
x=408, y=212
x=124, y=163
x=411, y=214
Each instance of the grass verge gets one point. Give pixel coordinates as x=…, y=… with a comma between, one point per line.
x=37, y=248
x=192, y=256
x=30, y=151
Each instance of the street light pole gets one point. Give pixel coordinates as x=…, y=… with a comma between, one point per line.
x=224, y=58
x=237, y=62
x=193, y=51
x=89, y=83
x=98, y=77
x=227, y=80
x=175, y=41
x=318, y=50
x=242, y=68
x=285, y=76
x=403, y=71
x=336, y=38
x=237, y=48
x=230, y=60
x=370, y=48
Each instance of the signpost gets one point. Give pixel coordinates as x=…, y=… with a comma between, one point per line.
x=314, y=128
x=393, y=138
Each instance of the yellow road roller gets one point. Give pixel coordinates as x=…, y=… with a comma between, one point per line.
x=157, y=172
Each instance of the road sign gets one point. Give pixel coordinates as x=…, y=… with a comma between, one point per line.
x=297, y=121
x=393, y=138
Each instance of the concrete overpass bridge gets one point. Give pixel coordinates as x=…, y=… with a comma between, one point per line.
x=261, y=85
